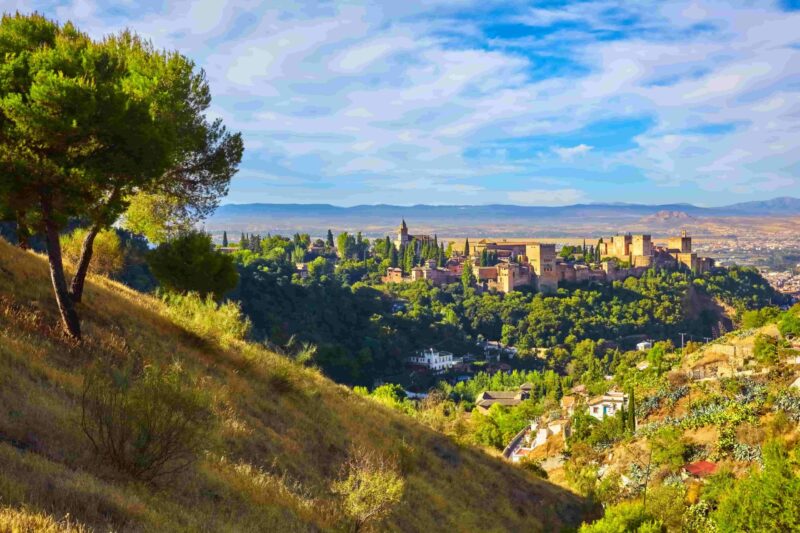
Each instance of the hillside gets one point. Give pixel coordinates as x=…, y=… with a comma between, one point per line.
x=280, y=436
x=707, y=424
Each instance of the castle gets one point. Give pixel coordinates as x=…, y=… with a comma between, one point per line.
x=532, y=263
x=403, y=238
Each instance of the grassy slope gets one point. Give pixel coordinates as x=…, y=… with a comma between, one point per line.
x=284, y=431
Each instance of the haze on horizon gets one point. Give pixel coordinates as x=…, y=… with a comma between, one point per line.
x=545, y=103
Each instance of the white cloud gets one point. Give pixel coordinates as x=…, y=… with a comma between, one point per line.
x=570, y=152
x=407, y=93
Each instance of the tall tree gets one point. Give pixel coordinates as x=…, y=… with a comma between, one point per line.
x=466, y=247
x=329, y=239
x=224, y=239
x=467, y=276
x=86, y=125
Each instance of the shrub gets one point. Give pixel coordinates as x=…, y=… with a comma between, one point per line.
x=206, y=317
x=190, y=263
x=790, y=324
x=147, y=423
x=370, y=488
x=768, y=500
x=625, y=516
x=108, y=257
x=765, y=349
x=534, y=468
x=24, y=521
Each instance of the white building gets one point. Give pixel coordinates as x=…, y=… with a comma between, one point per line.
x=438, y=361
x=644, y=346
x=606, y=405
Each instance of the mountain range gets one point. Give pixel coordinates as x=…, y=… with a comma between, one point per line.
x=495, y=219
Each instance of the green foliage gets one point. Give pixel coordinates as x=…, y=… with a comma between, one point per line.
x=148, y=423
x=108, y=257
x=668, y=448
x=756, y=318
x=790, y=323
x=157, y=217
x=206, y=317
x=765, y=349
x=763, y=501
x=624, y=517
x=468, y=279
x=190, y=263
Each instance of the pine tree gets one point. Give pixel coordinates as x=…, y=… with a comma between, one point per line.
x=224, y=239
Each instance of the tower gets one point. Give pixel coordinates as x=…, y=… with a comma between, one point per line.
x=402, y=234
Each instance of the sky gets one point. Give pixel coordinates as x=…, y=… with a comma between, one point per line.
x=462, y=102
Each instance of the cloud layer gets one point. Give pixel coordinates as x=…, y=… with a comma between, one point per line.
x=476, y=102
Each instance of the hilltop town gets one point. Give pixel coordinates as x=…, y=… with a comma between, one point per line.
x=505, y=265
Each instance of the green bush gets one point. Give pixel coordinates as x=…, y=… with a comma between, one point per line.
x=148, y=423
x=624, y=517
x=206, y=317
x=765, y=349
x=190, y=263
x=768, y=500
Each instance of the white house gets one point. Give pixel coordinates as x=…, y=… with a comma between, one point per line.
x=644, y=346
x=606, y=405
x=436, y=360
x=534, y=436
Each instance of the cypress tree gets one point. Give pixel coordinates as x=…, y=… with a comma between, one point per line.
x=243, y=242
x=392, y=255
x=632, y=409
x=466, y=247
x=329, y=239
x=224, y=239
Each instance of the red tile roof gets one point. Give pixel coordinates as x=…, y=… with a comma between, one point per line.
x=701, y=468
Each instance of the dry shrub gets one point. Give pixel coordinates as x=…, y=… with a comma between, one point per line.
x=370, y=487
x=148, y=423
x=24, y=521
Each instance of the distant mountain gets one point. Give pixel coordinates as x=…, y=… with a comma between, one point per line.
x=667, y=217
x=784, y=205
x=495, y=220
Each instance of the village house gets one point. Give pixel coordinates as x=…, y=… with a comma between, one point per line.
x=435, y=360
x=487, y=399
x=535, y=436
x=607, y=404
x=644, y=346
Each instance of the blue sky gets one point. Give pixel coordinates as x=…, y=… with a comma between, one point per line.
x=540, y=103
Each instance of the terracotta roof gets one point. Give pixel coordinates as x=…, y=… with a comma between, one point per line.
x=701, y=468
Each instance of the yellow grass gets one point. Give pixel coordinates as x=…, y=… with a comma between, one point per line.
x=282, y=435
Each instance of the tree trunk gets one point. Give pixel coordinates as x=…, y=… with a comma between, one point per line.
x=69, y=316
x=23, y=232
x=76, y=287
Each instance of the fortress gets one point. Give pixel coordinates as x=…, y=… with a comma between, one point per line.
x=531, y=263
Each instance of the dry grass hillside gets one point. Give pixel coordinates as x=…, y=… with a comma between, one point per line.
x=280, y=432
